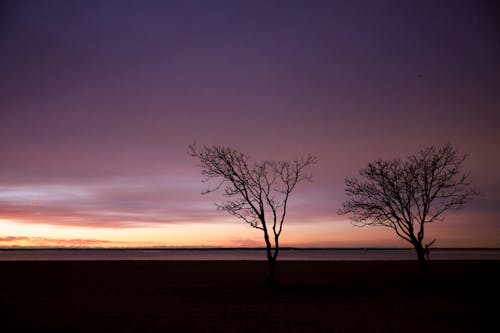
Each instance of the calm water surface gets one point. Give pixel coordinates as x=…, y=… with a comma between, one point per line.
x=245, y=254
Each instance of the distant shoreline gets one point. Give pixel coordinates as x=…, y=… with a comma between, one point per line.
x=232, y=254
x=238, y=248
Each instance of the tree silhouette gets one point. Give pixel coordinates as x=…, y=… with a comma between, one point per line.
x=407, y=195
x=257, y=193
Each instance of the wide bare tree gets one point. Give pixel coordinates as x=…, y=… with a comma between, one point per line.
x=257, y=192
x=406, y=195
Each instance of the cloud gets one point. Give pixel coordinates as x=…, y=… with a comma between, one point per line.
x=120, y=203
x=130, y=202
x=15, y=241
x=145, y=201
x=243, y=242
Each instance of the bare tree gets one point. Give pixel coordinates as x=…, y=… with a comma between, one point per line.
x=407, y=195
x=257, y=193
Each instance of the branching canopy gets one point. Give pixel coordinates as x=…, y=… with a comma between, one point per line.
x=406, y=195
x=257, y=192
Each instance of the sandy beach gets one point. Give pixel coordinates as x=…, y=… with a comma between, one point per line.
x=223, y=296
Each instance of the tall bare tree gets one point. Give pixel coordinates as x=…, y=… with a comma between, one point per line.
x=257, y=192
x=407, y=195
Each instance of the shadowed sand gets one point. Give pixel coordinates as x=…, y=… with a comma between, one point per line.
x=225, y=296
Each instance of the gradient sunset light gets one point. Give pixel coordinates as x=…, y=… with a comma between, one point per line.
x=100, y=100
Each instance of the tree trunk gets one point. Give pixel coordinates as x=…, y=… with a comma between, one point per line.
x=421, y=258
x=271, y=260
x=271, y=278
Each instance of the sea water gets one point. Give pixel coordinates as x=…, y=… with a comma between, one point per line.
x=369, y=254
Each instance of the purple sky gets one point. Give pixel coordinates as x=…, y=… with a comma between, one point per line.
x=100, y=99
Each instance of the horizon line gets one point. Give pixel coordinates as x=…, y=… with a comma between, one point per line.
x=207, y=248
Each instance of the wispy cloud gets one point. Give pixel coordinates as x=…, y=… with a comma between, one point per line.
x=119, y=203
x=135, y=202
x=16, y=241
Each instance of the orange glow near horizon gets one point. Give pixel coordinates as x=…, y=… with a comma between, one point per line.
x=221, y=234
x=224, y=234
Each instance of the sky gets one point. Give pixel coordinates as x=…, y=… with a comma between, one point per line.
x=99, y=101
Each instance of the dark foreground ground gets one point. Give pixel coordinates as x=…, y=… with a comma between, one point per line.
x=128, y=296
